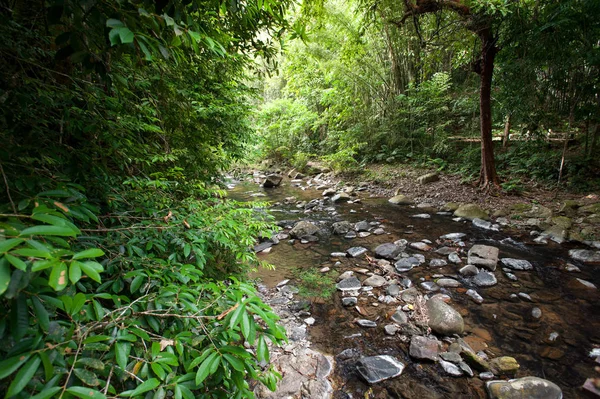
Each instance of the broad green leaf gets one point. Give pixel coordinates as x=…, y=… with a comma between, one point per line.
x=92, y=269
x=74, y=272
x=9, y=366
x=204, y=368
x=86, y=393
x=236, y=316
x=48, y=231
x=89, y=253
x=136, y=283
x=7, y=245
x=235, y=362
x=58, y=277
x=23, y=377
x=33, y=253
x=87, y=377
x=262, y=350
x=47, y=393
x=122, y=353
x=4, y=275
x=126, y=35
x=16, y=262
x=144, y=387
x=92, y=363
x=78, y=301
x=41, y=313
x=114, y=23
x=158, y=370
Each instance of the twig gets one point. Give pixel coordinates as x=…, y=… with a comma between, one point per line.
x=8, y=189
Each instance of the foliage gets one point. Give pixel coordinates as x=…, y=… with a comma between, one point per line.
x=313, y=284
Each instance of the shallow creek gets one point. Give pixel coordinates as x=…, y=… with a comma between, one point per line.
x=555, y=346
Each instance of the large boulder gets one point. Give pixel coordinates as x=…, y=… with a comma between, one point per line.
x=428, y=178
x=470, y=212
x=303, y=228
x=401, y=199
x=378, y=368
x=526, y=387
x=443, y=318
x=387, y=251
x=273, y=180
x=484, y=256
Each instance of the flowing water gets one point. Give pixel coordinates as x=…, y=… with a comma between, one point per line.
x=500, y=326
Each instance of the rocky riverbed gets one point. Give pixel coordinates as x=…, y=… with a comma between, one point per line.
x=429, y=301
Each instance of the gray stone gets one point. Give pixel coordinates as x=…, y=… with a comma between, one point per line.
x=430, y=286
x=338, y=254
x=486, y=375
x=572, y=268
x=356, y=251
x=390, y=329
x=366, y=323
x=272, y=181
x=451, y=357
x=470, y=212
x=437, y=263
x=378, y=231
x=399, y=317
x=421, y=246
x=375, y=281
x=303, y=228
x=349, y=301
x=448, y=283
x=587, y=284
x=387, y=251
x=466, y=369
x=453, y=236
x=330, y=192
x=469, y=270
x=393, y=290
x=474, y=295
x=526, y=387
x=406, y=264
x=379, y=368
x=263, y=246
x=536, y=313
x=401, y=200
x=363, y=234
x=409, y=295
x=485, y=279
x=351, y=234
x=361, y=226
x=585, y=255
x=289, y=290
x=483, y=224
x=349, y=284
x=345, y=275
x=428, y=178
x=454, y=258
x=341, y=228
x=517, y=264
x=422, y=216
x=484, y=256
x=424, y=348
x=451, y=368
x=443, y=319
x=340, y=197
x=525, y=296
x=445, y=251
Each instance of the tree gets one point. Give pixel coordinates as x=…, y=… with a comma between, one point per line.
x=480, y=22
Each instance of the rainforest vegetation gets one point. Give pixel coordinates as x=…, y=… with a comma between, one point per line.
x=123, y=267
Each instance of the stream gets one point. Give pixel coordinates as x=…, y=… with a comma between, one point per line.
x=544, y=318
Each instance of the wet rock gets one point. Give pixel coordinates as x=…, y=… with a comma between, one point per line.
x=345, y=275
x=401, y=200
x=525, y=296
x=587, y=284
x=484, y=256
x=451, y=368
x=454, y=258
x=474, y=295
x=310, y=321
x=422, y=216
x=341, y=228
x=390, y=329
x=437, y=263
x=485, y=279
x=297, y=306
x=406, y=264
x=340, y=197
x=453, y=236
x=572, y=268
x=526, y=387
x=510, y=276
x=387, y=251
x=263, y=246
x=476, y=361
x=273, y=180
x=393, y=290
x=349, y=284
x=484, y=224
x=585, y=255
x=430, y=286
x=338, y=254
x=356, y=251
x=424, y=348
x=466, y=369
x=421, y=246
x=303, y=229
x=379, y=368
x=379, y=231
x=375, y=281
x=592, y=385
x=470, y=212
x=443, y=318
x=536, y=313
x=349, y=301
x=504, y=365
x=366, y=323
x=556, y=234
x=448, y=283
x=289, y=290
x=428, y=178
x=469, y=270
x=444, y=251
x=451, y=357
x=399, y=317
x=351, y=234
x=410, y=295
x=361, y=226
x=517, y=264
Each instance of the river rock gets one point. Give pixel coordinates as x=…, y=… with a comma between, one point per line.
x=430, y=286
x=409, y=295
x=361, y=226
x=366, y=323
x=437, y=263
x=484, y=256
x=453, y=236
x=504, y=365
x=273, y=180
x=448, y=283
x=390, y=329
x=349, y=301
x=349, y=284
x=517, y=264
x=378, y=368
x=422, y=216
x=443, y=318
x=469, y=270
x=375, y=281
x=421, y=246
x=387, y=251
x=470, y=212
x=356, y=251
x=451, y=368
x=485, y=279
x=586, y=284
x=393, y=290
x=428, y=178
x=451, y=357
x=474, y=295
x=406, y=264
x=454, y=258
x=341, y=228
x=340, y=197
x=526, y=387
x=424, y=348
x=303, y=228
x=531, y=211
x=399, y=317
x=263, y=246
x=401, y=200
x=585, y=255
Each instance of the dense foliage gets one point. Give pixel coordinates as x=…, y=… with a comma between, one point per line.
x=121, y=264
x=371, y=85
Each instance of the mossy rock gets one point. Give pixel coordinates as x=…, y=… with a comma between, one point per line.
x=561, y=221
x=590, y=209
x=401, y=199
x=504, y=365
x=450, y=206
x=471, y=211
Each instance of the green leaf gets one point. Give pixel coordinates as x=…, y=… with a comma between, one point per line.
x=86, y=393
x=33, y=253
x=48, y=231
x=144, y=387
x=92, y=363
x=122, y=353
x=74, y=272
x=58, y=277
x=262, y=350
x=16, y=262
x=158, y=370
x=41, y=313
x=236, y=316
x=234, y=361
x=136, y=283
x=78, y=302
x=9, y=366
x=92, y=269
x=7, y=245
x=126, y=35
x=47, y=393
x=205, y=367
x=87, y=377
x=114, y=23
x=89, y=253
x=23, y=377
x=4, y=275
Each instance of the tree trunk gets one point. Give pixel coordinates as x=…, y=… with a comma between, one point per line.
x=488, y=176
x=506, y=136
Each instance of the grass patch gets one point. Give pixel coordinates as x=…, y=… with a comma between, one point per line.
x=314, y=284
